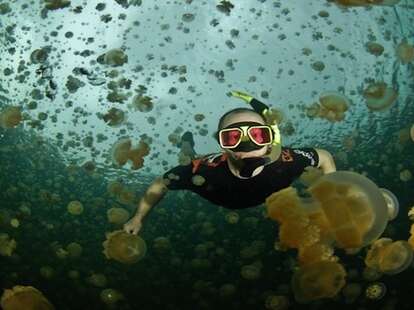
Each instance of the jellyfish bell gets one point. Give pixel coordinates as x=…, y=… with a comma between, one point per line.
x=319, y=280
x=375, y=291
x=393, y=206
x=115, y=57
x=405, y=52
x=75, y=207
x=354, y=207
x=24, y=297
x=111, y=296
x=10, y=117
x=333, y=106
x=123, y=247
x=397, y=257
x=117, y=216
x=412, y=132
x=378, y=96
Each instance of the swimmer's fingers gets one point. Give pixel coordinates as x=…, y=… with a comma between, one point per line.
x=133, y=226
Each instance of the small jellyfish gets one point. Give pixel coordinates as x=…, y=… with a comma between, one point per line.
x=142, y=103
x=24, y=297
x=374, y=48
x=393, y=205
x=110, y=296
x=56, y=4
x=74, y=249
x=7, y=245
x=97, y=279
x=378, y=96
x=406, y=175
x=405, y=52
x=114, y=117
x=198, y=180
x=162, y=244
x=319, y=280
x=123, y=247
x=117, y=216
x=412, y=132
x=115, y=57
x=251, y=272
x=375, y=291
x=10, y=117
x=277, y=302
x=232, y=217
x=333, y=106
x=75, y=207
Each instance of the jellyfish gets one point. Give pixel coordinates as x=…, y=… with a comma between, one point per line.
x=277, y=302
x=97, y=279
x=319, y=280
x=198, y=180
x=374, y=48
x=122, y=152
x=162, y=244
x=227, y=289
x=251, y=272
x=393, y=205
x=10, y=117
x=115, y=57
x=375, y=291
x=126, y=197
x=39, y=56
x=378, y=96
x=232, y=217
x=74, y=249
x=389, y=257
x=412, y=132
x=405, y=175
x=114, y=188
x=333, y=105
x=123, y=247
x=75, y=207
x=7, y=245
x=405, y=52
x=117, y=216
x=24, y=297
x=142, y=103
x=47, y=272
x=114, y=117
x=111, y=296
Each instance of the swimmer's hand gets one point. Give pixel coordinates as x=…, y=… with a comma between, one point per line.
x=241, y=95
x=133, y=226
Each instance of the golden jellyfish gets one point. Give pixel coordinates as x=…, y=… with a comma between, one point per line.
x=198, y=180
x=389, y=257
x=114, y=117
x=117, y=216
x=252, y=271
x=405, y=52
x=232, y=217
x=405, y=175
x=75, y=207
x=122, y=152
x=393, y=206
x=10, y=117
x=412, y=132
x=110, y=296
x=126, y=197
x=375, y=291
x=115, y=57
x=227, y=289
x=161, y=244
x=97, y=279
x=333, y=106
x=123, y=247
x=7, y=245
x=142, y=103
x=378, y=96
x=277, y=302
x=374, y=48
x=319, y=280
x=114, y=188
x=56, y=4
x=24, y=297
x=74, y=249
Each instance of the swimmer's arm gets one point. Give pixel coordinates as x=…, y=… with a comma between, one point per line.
x=326, y=161
x=155, y=192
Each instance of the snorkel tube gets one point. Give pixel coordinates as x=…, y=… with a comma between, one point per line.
x=263, y=110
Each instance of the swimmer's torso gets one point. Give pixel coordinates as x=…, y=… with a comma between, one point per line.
x=223, y=188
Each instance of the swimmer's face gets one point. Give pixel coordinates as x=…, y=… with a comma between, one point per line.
x=244, y=117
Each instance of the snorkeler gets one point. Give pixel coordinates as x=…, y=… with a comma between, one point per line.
x=251, y=166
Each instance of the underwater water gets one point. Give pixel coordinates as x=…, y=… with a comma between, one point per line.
x=80, y=78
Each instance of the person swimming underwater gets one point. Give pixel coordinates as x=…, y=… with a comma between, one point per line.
x=251, y=166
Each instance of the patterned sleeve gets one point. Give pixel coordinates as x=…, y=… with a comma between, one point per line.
x=306, y=157
x=178, y=177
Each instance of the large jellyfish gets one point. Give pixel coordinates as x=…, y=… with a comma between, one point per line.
x=389, y=257
x=378, y=96
x=10, y=117
x=319, y=280
x=24, y=297
x=123, y=247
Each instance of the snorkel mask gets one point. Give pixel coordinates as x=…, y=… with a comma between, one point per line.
x=250, y=136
